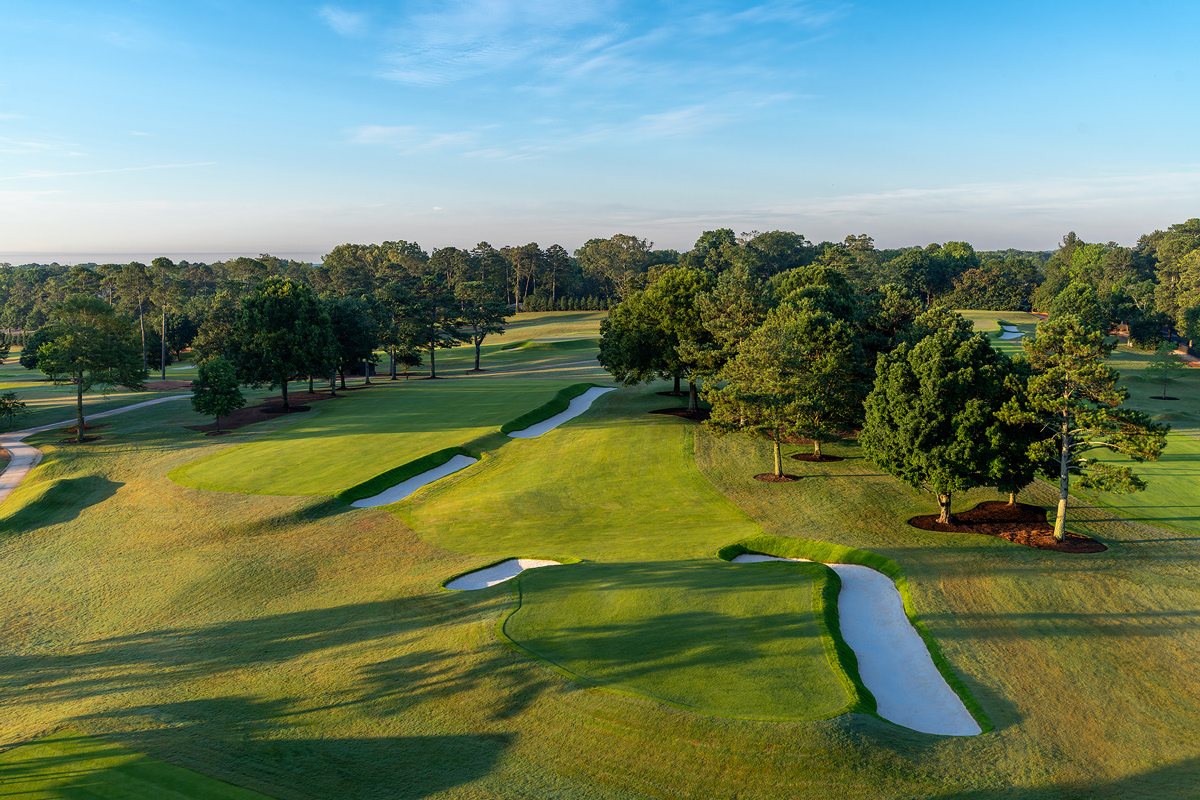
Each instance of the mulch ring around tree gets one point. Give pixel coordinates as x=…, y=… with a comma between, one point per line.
x=771, y=477
x=262, y=412
x=821, y=459
x=73, y=440
x=699, y=415
x=74, y=429
x=1020, y=524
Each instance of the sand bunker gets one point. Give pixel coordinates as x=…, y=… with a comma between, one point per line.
x=578, y=406
x=25, y=458
x=497, y=573
x=893, y=661
x=403, y=490
x=1012, y=335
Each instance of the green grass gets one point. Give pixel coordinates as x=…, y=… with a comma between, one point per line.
x=703, y=636
x=302, y=649
x=67, y=765
x=342, y=443
x=555, y=405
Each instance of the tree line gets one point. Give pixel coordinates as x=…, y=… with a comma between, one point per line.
x=806, y=354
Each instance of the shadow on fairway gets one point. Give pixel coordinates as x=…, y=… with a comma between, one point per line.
x=61, y=501
x=408, y=767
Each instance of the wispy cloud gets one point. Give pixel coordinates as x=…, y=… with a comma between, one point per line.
x=343, y=22
x=411, y=138
x=48, y=174
x=11, y=116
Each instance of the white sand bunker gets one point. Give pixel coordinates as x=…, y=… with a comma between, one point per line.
x=893, y=661
x=403, y=490
x=1009, y=332
x=497, y=573
x=578, y=406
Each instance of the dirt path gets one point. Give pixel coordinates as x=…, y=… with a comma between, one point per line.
x=25, y=457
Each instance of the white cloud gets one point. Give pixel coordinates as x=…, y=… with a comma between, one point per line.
x=12, y=116
x=411, y=138
x=343, y=22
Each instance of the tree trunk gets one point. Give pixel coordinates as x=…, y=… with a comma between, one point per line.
x=432, y=363
x=944, y=509
x=393, y=363
x=333, y=385
x=79, y=410
x=676, y=389
x=218, y=423
x=778, y=456
x=817, y=448
x=1064, y=481
x=367, y=373
x=286, y=407
x=478, y=344
x=342, y=374
x=310, y=384
x=142, y=323
x=1012, y=498
x=691, y=397
x=163, y=363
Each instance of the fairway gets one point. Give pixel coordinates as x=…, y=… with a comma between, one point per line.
x=291, y=645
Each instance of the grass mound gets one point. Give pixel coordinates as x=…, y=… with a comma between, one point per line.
x=556, y=405
x=699, y=635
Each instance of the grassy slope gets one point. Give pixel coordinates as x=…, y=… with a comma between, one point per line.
x=66, y=764
x=294, y=646
x=343, y=442
x=662, y=616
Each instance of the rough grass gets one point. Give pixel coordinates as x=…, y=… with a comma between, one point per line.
x=66, y=764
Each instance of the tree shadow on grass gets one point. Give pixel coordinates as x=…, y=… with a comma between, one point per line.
x=61, y=501
x=245, y=741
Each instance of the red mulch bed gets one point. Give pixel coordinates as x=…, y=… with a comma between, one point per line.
x=1021, y=524
x=163, y=386
x=699, y=415
x=299, y=402
x=821, y=459
x=73, y=429
x=771, y=477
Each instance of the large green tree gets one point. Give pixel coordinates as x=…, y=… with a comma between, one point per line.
x=355, y=334
x=1073, y=397
x=482, y=313
x=928, y=416
x=794, y=376
x=281, y=332
x=216, y=391
x=436, y=312
x=91, y=344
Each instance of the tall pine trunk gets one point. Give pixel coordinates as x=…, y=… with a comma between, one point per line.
x=142, y=323
x=393, y=362
x=163, y=363
x=478, y=344
x=691, y=397
x=286, y=407
x=1064, y=480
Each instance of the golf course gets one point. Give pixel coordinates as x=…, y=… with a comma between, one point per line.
x=195, y=616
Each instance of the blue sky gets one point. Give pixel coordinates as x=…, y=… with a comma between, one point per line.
x=204, y=129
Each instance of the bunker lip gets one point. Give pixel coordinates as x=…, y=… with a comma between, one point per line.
x=577, y=406
x=403, y=489
x=496, y=573
x=893, y=661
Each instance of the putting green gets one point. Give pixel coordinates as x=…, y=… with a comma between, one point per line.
x=66, y=764
x=705, y=636
x=343, y=442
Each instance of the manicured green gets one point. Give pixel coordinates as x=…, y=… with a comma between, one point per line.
x=68, y=765
x=729, y=639
x=341, y=443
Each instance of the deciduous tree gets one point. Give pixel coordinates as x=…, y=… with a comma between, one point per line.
x=216, y=391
